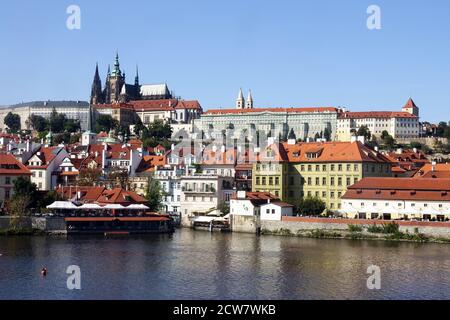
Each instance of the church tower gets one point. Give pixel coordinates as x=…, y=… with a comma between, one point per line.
x=96, y=92
x=115, y=83
x=240, y=102
x=249, y=102
x=411, y=108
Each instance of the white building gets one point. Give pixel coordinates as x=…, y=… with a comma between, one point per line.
x=44, y=166
x=274, y=211
x=400, y=125
x=75, y=110
x=202, y=195
x=305, y=122
x=398, y=198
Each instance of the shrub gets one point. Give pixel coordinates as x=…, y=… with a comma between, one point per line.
x=355, y=228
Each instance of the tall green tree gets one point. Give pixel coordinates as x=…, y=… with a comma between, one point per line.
x=12, y=120
x=38, y=123
x=327, y=134
x=106, y=123
x=154, y=195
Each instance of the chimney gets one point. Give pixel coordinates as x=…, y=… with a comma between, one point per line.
x=291, y=142
x=268, y=201
x=377, y=149
x=433, y=166
x=415, y=150
x=28, y=145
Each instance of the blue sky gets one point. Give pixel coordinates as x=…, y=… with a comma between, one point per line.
x=290, y=53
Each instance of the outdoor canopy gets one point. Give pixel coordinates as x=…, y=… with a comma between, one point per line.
x=62, y=205
x=137, y=207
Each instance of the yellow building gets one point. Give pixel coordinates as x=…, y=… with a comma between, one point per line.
x=323, y=170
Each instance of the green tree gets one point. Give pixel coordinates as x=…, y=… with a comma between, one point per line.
x=224, y=208
x=72, y=126
x=56, y=121
x=310, y=206
x=106, y=123
x=364, y=131
x=154, y=195
x=13, y=122
x=327, y=134
x=292, y=134
x=38, y=123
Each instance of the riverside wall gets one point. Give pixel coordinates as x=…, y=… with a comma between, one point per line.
x=299, y=225
x=50, y=224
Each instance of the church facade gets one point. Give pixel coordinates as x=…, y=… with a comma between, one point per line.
x=116, y=90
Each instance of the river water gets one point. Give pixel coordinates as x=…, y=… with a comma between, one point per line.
x=200, y=265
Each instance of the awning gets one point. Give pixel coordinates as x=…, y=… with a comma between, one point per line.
x=62, y=205
x=91, y=206
x=137, y=207
x=114, y=206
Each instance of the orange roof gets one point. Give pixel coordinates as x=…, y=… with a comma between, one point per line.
x=148, y=163
x=400, y=189
x=332, y=152
x=46, y=155
x=164, y=105
x=375, y=115
x=276, y=110
x=435, y=175
x=120, y=196
x=11, y=166
x=437, y=167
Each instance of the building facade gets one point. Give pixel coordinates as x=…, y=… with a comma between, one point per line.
x=400, y=125
x=75, y=110
x=292, y=171
x=398, y=198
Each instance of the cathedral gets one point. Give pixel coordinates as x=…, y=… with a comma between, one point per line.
x=116, y=89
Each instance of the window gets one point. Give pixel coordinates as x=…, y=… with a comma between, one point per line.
x=317, y=181
x=324, y=181
x=332, y=167
x=309, y=181
x=8, y=180
x=257, y=181
x=291, y=181
x=270, y=181
x=332, y=181
x=349, y=182
x=277, y=181
x=273, y=211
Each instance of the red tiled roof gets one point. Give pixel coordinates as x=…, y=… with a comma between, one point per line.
x=46, y=155
x=400, y=189
x=375, y=115
x=148, y=163
x=11, y=166
x=275, y=110
x=120, y=196
x=332, y=152
x=164, y=105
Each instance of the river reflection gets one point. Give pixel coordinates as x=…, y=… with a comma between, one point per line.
x=201, y=265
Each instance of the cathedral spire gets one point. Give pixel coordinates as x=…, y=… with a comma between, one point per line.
x=96, y=91
x=116, y=71
x=136, y=80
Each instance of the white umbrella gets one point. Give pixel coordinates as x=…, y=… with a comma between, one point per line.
x=137, y=207
x=62, y=205
x=114, y=206
x=91, y=206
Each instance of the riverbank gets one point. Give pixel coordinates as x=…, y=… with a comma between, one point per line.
x=349, y=229
x=22, y=232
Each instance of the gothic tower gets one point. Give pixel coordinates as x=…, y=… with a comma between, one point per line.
x=96, y=92
x=411, y=108
x=116, y=81
x=240, y=102
x=249, y=102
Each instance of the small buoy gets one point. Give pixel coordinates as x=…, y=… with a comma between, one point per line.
x=44, y=272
